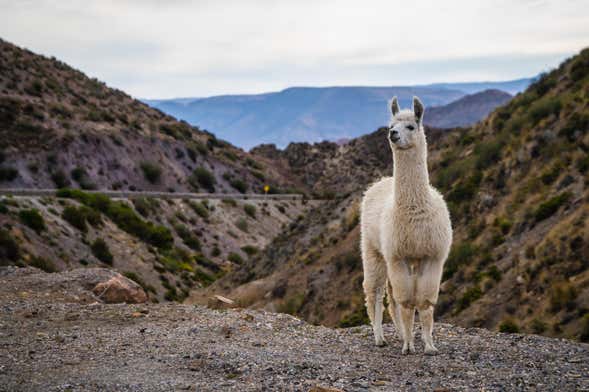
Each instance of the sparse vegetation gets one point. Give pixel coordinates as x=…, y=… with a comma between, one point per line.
x=9, y=248
x=33, y=219
x=549, y=207
x=508, y=326
x=201, y=177
x=235, y=258
x=101, y=251
x=8, y=174
x=42, y=263
x=151, y=171
x=240, y=185
x=250, y=210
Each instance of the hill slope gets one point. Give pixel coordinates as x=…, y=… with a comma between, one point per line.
x=59, y=127
x=101, y=347
x=516, y=185
x=305, y=114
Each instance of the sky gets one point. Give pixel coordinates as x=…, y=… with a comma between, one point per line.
x=181, y=48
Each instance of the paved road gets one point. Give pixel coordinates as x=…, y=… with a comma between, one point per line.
x=159, y=195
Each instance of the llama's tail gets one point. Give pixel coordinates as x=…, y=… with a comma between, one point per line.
x=393, y=307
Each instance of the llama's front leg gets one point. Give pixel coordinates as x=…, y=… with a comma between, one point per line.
x=428, y=287
x=374, y=286
x=403, y=283
x=407, y=319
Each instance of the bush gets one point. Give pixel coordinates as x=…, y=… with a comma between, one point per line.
x=204, y=278
x=78, y=217
x=8, y=174
x=240, y=185
x=200, y=209
x=543, y=108
x=42, y=263
x=487, y=154
x=459, y=254
x=469, y=296
x=250, y=210
x=466, y=189
x=230, y=202
x=551, y=206
x=204, y=178
x=354, y=319
x=188, y=237
x=242, y=225
x=146, y=205
x=235, y=258
x=584, y=337
x=538, y=326
x=508, y=326
x=151, y=171
x=250, y=250
x=562, y=296
x=137, y=279
x=101, y=251
x=123, y=216
x=33, y=219
x=80, y=175
x=60, y=179
x=9, y=249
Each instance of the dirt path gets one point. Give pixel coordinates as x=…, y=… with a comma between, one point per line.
x=55, y=337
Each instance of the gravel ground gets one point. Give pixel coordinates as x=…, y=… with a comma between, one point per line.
x=54, y=338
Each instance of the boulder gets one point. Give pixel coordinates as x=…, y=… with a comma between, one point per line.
x=119, y=289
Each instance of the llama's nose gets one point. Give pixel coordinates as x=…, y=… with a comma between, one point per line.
x=394, y=136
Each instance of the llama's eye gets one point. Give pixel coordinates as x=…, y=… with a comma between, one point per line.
x=410, y=127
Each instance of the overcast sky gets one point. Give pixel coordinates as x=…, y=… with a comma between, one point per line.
x=178, y=48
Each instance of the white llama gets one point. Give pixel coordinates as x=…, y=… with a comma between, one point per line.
x=406, y=235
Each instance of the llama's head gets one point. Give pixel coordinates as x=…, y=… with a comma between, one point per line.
x=406, y=127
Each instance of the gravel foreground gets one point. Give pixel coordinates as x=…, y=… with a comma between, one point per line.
x=54, y=336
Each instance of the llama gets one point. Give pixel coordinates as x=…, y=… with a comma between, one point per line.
x=406, y=235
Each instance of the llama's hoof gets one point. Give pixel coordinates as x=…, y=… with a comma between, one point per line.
x=381, y=342
x=408, y=349
x=431, y=351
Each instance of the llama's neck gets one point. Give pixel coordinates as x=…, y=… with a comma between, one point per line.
x=411, y=175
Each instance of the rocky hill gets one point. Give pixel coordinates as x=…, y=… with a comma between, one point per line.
x=467, y=110
x=60, y=335
x=516, y=185
x=60, y=128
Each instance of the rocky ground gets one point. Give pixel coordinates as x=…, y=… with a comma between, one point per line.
x=56, y=335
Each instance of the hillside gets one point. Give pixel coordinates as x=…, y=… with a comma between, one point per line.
x=61, y=336
x=467, y=110
x=306, y=114
x=60, y=128
x=516, y=185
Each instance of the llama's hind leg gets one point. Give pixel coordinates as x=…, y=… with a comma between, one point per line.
x=374, y=288
x=428, y=286
x=403, y=284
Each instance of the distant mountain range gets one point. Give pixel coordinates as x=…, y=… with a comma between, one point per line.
x=312, y=114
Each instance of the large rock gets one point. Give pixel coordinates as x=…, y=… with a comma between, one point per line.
x=119, y=289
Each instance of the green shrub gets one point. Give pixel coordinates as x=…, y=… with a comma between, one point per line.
x=3, y=207
x=487, y=154
x=188, y=237
x=60, y=179
x=78, y=217
x=250, y=210
x=80, y=175
x=216, y=251
x=101, y=251
x=137, y=279
x=235, y=258
x=293, y=304
x=250, y=250
x=242, y=225
x=230, y=202
x=33, y=219
x=538, y=326
x=550, y=175
x=562, y=296
x=8, y=174
x=460, y=254
x=200, y=209
x=43, y=264
x=551, y=206
x=355, y=318
x=240, y=185
x=465, y=190
x=146, y=206
x=204, y=178
x=469, y=296
x=508, y=326
x=494, y=273
x=151, y=171
x=204, y=278
x=124, y=217
x=9, y=249
x=543, y=108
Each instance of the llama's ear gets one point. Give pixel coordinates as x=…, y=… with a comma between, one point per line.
x=395, y=106
x=418, y=109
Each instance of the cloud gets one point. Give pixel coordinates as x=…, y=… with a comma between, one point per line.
x=177, y=48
